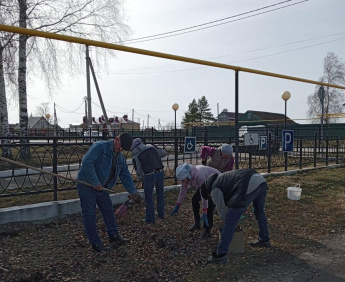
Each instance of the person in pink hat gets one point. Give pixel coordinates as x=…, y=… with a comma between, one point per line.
x=219, y=158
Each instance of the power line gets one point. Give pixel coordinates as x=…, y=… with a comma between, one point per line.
x=254, y=58
x=178, y=30
x=68, y=111
x=244, y=52
x=168, y=34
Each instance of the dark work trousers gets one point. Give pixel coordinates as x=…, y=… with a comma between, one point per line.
x=196, y=199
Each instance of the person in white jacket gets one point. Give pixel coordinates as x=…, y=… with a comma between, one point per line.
x=195, y=176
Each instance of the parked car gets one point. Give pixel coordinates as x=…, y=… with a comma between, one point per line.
x=94, y=135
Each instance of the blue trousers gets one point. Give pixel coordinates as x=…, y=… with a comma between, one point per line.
x=89, y=197
x=258, y=198
x=150, y=181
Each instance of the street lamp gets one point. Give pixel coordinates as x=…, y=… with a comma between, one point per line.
x=175, y=108
x=285, y=96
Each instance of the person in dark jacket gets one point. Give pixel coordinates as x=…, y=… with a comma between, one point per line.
x=232, y=192
x=150, y=169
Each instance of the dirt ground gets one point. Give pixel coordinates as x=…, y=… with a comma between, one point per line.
x=58, y=251
x=308, y=238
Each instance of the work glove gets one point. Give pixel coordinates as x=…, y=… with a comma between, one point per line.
x=175, y=210
x=135, y=198
x=204, y=218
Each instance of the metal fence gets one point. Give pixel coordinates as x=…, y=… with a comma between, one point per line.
x=62, y=155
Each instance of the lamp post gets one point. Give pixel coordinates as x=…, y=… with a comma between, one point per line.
x=175, y=107
x=321, y=94
x=285, y=96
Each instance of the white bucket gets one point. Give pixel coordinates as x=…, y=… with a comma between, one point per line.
x=294, y=193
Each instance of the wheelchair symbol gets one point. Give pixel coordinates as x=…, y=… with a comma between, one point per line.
x=251, y=140
x=189, y=144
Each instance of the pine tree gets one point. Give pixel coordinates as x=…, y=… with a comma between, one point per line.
x=204, y=111
x=198, y=112
x=192, y=114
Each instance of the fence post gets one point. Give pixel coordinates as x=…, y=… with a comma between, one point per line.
x=269, y=153
x=300, y=152
x=315, y=146
x=250, y=156
x=55, y=167
x=337, y=157
x=163, y=139
x=327, y=144
x=176, y=159
x=205, y=136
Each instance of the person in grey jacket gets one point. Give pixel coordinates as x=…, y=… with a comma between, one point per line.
x=232, y=192
x=150, y=169
x=101, y=166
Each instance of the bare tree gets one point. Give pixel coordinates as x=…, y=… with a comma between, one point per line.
x=102, y=20
x=8, y=47
x=333, y=73
x=43, y=109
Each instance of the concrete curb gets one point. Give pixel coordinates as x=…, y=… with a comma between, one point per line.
x=42, y=212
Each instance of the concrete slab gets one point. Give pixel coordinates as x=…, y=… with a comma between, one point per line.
x=51, y=210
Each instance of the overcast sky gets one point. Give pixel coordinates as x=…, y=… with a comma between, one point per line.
x=290, y=40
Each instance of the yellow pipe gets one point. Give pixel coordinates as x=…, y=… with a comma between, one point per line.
x=33, y=32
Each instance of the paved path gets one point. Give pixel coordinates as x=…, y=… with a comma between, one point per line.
x=323, y=263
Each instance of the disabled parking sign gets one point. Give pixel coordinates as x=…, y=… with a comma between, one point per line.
x=287, y=141
x=251, y=139
x=189, y=144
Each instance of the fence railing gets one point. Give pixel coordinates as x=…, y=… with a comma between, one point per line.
x=63, y=155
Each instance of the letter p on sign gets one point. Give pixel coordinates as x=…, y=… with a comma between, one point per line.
x=287, y=141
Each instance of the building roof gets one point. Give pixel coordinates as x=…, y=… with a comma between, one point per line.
x=32, y=121
x=230, y=115
x=257, y=117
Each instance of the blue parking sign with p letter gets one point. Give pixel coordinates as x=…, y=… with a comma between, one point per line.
x=287, y=144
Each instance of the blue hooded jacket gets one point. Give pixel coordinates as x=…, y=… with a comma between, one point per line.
x=96, y=166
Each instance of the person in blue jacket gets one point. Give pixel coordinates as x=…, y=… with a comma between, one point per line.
x=101, y=166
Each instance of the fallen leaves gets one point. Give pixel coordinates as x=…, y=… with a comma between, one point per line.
x=167, y=251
